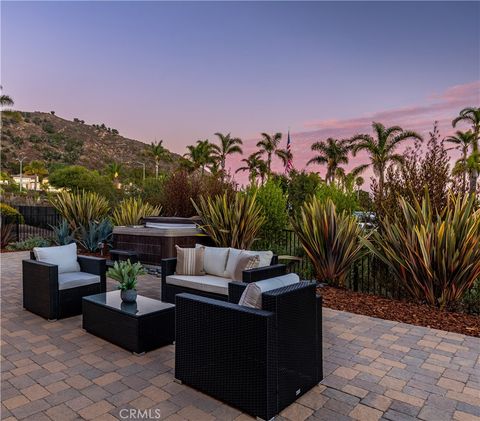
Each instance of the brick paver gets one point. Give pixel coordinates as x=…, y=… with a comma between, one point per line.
x=374, y=369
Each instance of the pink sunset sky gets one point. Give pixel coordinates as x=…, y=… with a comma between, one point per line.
x=181, y=71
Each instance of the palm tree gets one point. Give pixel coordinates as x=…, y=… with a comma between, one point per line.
x=5, y=100
x=113, y=170
x=159, y=153
x=255, y=166
x=349, y=180
x=471, y=115
x=463, y=140
x=228, y=146
x=331, y=152
x=38, y=169
x=382, y=148
x=200, y=155
x=269, y=146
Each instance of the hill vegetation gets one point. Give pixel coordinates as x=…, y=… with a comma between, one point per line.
x=39, y=136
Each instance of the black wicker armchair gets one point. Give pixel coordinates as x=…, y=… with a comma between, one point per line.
x=43, y=295
x=169, y=291
x=259, y=361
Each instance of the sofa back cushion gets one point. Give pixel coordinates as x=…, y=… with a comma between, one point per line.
x=190, y=261
x=252, y=296
x=65, y=257
x=265, y=258
x=215, y=260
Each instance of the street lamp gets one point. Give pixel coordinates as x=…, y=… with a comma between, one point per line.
x=143, y=164
x=21, y=170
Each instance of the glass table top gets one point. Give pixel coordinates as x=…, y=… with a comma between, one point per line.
x=141, y=307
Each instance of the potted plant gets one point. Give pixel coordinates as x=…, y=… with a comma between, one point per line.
x=126, y=274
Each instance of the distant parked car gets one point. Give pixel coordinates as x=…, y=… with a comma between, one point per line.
x=367, y=220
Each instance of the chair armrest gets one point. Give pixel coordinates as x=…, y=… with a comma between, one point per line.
x=267, y=272
x=235, y=291
x=168, y=268
x=96, y=266
x=274, y=260
x=40, y=288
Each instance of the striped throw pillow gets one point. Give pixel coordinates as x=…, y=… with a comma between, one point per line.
x=190, y=261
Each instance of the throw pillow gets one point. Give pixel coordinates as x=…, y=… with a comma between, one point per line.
x=215, y=260
x=244, y=262
x=65, y=257
x=190, y=261
x=265, y=257
x=252, y=296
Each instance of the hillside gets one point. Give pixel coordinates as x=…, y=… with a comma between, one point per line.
x=48, y=138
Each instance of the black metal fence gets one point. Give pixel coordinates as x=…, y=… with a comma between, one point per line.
x=368, y=275
x=37, y=222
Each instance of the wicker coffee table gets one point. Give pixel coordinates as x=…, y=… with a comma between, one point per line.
x=138, y=327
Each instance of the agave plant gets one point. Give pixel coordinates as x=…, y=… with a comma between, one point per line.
x=130, y=211
x=435, y=255
x=231, y=222
x=81, y=208
x=93, y=235
x=330, y=239
x=126, y=274
x=63, y=234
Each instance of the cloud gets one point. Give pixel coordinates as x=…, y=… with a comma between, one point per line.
x=441, y=107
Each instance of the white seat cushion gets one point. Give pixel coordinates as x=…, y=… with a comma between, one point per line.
x=215, y=260
x=65, y=257
x=252, y=296
x=69, y=280
x=207, y=283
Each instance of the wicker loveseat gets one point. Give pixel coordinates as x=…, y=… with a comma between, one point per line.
x=210, y=285
x=257, y=360
x=55, y=295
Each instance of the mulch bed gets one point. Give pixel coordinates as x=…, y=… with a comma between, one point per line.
x=400, y=311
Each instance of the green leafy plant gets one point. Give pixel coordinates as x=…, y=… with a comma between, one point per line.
x=344, y=200
x=273, y=201
x=435, y=255
x=126, y=274
x=62, y=234
x=231, y=222
x=29, y=244
x=131, y=210
x=331, y=240
x=93, y=235
x=471, y=299
x=81, y=208
x=10, y=214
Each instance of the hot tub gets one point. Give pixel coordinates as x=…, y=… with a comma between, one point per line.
x=157, y=238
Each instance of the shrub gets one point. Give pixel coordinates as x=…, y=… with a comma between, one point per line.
x=152, y=190
x=471, y=299
x=435, y=255
x=301, y=186
x=271, y=198
x=130, y=211
x=231, y=222
x=81, y=208
x=76, y=177
x=180, y=188
x=29, y=244
x=48, y=127
x=10, y=214
x=343, y=200
x=62, y=234
x=94, y=234
x=331, y=239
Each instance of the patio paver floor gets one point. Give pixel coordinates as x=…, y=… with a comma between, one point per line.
x=374, y=369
